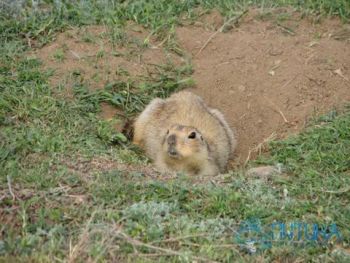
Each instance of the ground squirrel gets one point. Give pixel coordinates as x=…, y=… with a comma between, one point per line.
x=182, y=134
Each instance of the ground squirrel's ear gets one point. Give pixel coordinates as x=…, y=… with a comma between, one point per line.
x=167, y=132
x=192, y=135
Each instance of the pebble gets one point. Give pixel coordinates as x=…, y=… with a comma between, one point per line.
x=263, y=172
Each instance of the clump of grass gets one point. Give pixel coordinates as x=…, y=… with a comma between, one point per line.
x=133, y=96
x=321, y=149
x=100, y=54
x=59, y=55
x=106, y=131
x=88, y=38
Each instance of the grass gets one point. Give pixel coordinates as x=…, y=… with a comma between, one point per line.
x=59, y=201
x=132, y=96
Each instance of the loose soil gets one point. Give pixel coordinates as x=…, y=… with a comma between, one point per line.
x=267, y=76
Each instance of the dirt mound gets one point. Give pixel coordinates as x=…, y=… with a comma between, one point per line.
x=267, y=76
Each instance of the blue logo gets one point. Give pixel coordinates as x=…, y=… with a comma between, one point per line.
x=253, y=236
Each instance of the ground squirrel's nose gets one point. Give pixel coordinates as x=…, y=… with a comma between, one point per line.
x=172, y=152
x=171, y=139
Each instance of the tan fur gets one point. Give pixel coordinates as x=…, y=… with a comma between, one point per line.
x=164, y=127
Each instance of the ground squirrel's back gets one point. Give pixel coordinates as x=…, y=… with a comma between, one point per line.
x=184, y=109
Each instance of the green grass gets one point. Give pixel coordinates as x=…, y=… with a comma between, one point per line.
x=67, y=206
x=133, y=95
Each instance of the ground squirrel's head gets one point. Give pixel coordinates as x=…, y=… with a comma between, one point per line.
x=183, y=141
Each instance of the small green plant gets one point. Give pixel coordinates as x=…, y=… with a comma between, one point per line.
x=108, y=134
x=59, y=55
x=100, y=54
x=120, y=71
x=88, y=38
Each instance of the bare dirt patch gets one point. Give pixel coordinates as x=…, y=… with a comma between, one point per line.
x=90, y=52
x=267, y=76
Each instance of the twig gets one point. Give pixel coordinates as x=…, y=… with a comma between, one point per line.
x=248, y=157
x=340, y=191
x=286, y=29
x=340, y=73
x=75, y=54
x=84, y=236
x=28, y=40
x=161, y=43
x=309, y=58
x=288, y=82
x=235, y=19
x=150, y=255
x=10, y=188
x=223, y=63
x=164, y=250
x=275, y=108
x=174, y=239
x=259, y=147
x=38, y=32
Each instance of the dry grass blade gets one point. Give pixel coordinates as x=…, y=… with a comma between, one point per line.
x=10, y=188
x=259, y=147
x=231, y=20
x=175, y=239
x=137, y=243
x=74, y=251
x=275, y=108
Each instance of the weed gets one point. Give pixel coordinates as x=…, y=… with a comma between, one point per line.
x=133, y=96
x=88, y=38
x=59, y=55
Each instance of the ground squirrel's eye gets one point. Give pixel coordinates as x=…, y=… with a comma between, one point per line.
x=192, y=135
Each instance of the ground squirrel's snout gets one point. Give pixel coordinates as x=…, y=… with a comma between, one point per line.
x=172, y=152
x=171, y=140
x=182, y=142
